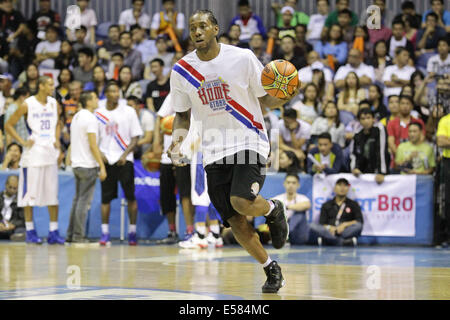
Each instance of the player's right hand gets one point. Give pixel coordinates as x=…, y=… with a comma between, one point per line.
x=29, y=143
x=102, y=174
x=178, y=159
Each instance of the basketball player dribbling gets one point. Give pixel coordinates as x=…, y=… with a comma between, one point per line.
x=38, y=178
x=221, y=85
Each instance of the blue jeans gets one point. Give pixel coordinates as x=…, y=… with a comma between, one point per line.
x=318, y=230
x=298, y=229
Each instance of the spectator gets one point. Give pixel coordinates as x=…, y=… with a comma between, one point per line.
x=42, y=18
x=399, y=74
x=287, y=14
x=443, y=16
x=12, y=157
x=128, y=87
x=294, y=133
x=110, y=45
x=325, y=89
x=21, y=128
x=70, y=107
x=352, y=125
x=409, y=9
x=305, y=74
x=410, y=31
x=309, y=108
x=296, y=207
x=415, y=156
x=443, y=141
x=365, y=73
x=157, y=90
x=333, y=50
x=162, y=54
x=329, y=122
x=298, y=17
x=422, y=96
x=235, y=34
x=376, y=102
x=427, y=39
x=340, y=221
x=351, y=95
x=326, y=158
x=348, y=30
x=380, y=60
x=83, y=72
x=370, y=148
x=87, y=164
x=135, y=15
x=98, y=82
x=142, y=43
x=249, y=22
x=47, y=51
x=436, y=113
x=398, y=39
x=440, y=63
x=80, y=35
x=398, y=127
x=31, y=79
x=257, y=46
x=287, y=52
x=224, y=38
x=12, y=219
x=317, y=21
x=394, y=109
x=147, y=121
x=13, y=24
x=117, y=62
x=361, y=32
x=332, y=18
x=88, y=19
x=289, y=163
x=65, y=77
x=168, y=18
x=302, y=46
x=67, y=57
x=132, y=57
x=21, y=52
x=118, y=119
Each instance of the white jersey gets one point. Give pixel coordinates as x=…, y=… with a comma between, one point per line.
x=223, y=94
x=41, y=121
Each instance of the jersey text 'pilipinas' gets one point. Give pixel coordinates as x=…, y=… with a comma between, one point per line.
x=223, y=93
x=41, y=123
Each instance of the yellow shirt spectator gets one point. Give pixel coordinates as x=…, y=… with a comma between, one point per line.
x=444, y=130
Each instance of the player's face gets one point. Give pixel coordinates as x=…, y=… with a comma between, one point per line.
x=113, y=94
x=202, y=31
x=291, y=185
x=48, y=87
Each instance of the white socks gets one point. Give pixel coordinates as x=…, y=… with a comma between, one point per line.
x=215, y=228
x=105, y=228
x=132, y=228
x=267, y=262
x=272, y=206
x=29, y=226
x=201, y=230
x=53, y=226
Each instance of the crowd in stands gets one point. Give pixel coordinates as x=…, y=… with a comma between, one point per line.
x=371, y=99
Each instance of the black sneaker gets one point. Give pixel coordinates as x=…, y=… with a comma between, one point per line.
x=278, y=225
x=172, y=238
x=274, y=278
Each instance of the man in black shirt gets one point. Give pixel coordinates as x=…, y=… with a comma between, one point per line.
x=287, y=52
x=43, y=18
x=158, y=89
x=340, y=219
x=370, y=148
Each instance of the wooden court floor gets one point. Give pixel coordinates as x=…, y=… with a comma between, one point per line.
x=169, y=272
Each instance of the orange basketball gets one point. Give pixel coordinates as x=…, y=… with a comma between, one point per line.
x=151, y=161
x=167, y=124
x=279, y=78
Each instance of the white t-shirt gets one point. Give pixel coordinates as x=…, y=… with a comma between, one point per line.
x=2, y=103
x=395, y=44
x=435, y=64
x=305, y=74
x=362, y=70
x=46, y=47
x=157, y=20
x=42, y=121
x=116, y=129
x=306, y=113
x=147, y=120
x=88, y=19
x=403, y=74
x=127, y=19
x=83, y=122
x=223, y=93
x=303, y=132
x=315, y=26
x=297, y=199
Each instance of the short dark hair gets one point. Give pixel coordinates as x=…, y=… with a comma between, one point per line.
x=135, y=99
x=408, y=5
x=210, y=14
x=87, y=51
x=292, y=174
x=365, y=111
x=14, y=144
x=134, y=27
x=85, y=97
x=225, y=35
x=398, y=21
x=133, y=1
x=164, y=1
x=410, y=99
x=290, y=113
x=20, y=92
x=51, y=27
x=432, y=14
x=82, y=28
x=444, y=39
x=160, y=61
x=114, y=26
x=123, y=33
x=393, y=96
x=117, y=54
x=399, y=50
x=243, y=3
x=416, y=123
x=289, y=36
x=345, y=11
x=111, y=83
x=324, y=135
x=441, y=1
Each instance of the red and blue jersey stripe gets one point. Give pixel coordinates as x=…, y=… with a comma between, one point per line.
x=104, y=120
